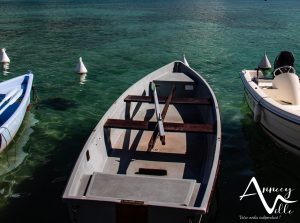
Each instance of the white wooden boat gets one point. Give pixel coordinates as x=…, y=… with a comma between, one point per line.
x=14, y=102
x=275, y=102
x=124, y=175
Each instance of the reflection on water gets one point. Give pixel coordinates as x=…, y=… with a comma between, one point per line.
x=13, y=157
x=82, y=79
x=5, y=67
x=5, y=73
x=14, y=154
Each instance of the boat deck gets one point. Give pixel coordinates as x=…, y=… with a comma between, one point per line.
x=174, y=158
x=273, y=96
x=180, y=157
x=267, y=87
x=273, y=93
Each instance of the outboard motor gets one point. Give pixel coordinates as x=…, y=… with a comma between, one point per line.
x=284, y=60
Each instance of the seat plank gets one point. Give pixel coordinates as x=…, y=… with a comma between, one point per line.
x=162, y=100
x=150, y=126
x=142, y=189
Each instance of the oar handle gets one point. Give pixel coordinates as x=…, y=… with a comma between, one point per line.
x=160, y=117
x=158, y=112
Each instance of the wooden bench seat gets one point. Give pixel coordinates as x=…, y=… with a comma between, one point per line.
x=162, y=100
x=168, y=126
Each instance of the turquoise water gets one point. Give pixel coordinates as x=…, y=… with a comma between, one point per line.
x=120, y=42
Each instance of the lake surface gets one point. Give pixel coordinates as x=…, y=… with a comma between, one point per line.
x=120, y=42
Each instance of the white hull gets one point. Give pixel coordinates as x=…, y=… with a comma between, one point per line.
x=98, y=160
x=10, y=125
x=278, y=120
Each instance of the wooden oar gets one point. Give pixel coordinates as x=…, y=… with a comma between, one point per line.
x=158, y=113
x=8, y=96
x=163, y=115
x=12, y=100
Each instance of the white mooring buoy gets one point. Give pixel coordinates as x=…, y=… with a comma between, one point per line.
x=80, y=68
x=265, y=63
x=185, y=61
x=4, y=57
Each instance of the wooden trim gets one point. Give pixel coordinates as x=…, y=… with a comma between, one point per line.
x=162, y=100
x=150, y=126
x=131, y=212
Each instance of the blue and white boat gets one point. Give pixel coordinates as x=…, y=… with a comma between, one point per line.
x=14, y=102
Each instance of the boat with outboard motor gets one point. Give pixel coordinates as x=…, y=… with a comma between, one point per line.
x=124, y=175
x=275, y=101
x=14, y=102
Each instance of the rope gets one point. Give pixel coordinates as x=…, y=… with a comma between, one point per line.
x=35, y=97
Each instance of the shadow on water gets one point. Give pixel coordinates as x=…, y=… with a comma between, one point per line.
x=57, y=103
x=43, y=202
x=251, y=153
x=273, y=167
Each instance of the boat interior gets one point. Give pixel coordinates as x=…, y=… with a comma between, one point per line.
x=9, y=105
x=169, y=167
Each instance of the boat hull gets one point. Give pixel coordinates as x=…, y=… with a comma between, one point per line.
x=95, y=211
x=12, y=124
x=284, y=129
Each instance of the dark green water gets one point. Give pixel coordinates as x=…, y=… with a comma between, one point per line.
x=120, y=42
